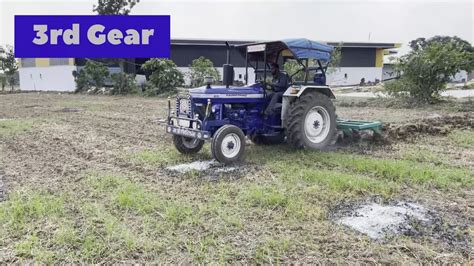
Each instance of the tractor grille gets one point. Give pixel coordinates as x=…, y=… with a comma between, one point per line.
x=183, y=106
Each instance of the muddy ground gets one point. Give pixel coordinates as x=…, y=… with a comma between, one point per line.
x=88, y=179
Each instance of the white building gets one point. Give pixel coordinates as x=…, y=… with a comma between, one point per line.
x=358, y=61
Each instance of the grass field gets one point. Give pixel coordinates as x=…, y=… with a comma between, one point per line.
x=86, y=182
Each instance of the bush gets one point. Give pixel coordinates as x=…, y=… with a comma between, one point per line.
x=92, y=76
x=200, y=69
x=9, y=66
x=398, y=87
x=164, y=76
x=427, y=69
x=124, y=84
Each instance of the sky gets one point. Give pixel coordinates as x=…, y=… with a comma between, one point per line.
x=332, y=21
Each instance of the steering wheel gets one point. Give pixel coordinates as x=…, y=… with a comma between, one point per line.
x=265, y=85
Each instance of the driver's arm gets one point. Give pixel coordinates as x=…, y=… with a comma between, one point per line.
x=281, y=84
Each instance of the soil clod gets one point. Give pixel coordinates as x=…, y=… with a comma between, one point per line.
x=433, y=125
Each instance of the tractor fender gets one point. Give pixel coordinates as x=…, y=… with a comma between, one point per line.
x=301, y=89
x=290, y=96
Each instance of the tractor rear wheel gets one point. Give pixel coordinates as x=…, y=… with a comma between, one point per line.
x=187, y=145
x=312, y=122
x=228, y=144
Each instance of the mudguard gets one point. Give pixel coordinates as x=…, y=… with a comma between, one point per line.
x=295, y=91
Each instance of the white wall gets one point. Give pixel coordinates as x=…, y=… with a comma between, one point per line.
x=345, y=76
x=388, y=72
x=459, y=77
x=50, y=78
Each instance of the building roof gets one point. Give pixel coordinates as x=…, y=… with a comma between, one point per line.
x=214, y=42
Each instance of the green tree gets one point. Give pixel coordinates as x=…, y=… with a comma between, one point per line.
x=201, y=68
x=164, y=76
x=92, y=76
x=294, y=70
x=336, y=57
x=9, y=65
x=425, y=71
x=421, y=43
x=115, y=7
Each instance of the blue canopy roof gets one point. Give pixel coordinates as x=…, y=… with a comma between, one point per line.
x=299, y=48
x=307, y=49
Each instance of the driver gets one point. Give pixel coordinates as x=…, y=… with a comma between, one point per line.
x=279, y=85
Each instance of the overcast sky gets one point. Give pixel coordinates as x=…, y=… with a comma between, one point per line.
x=346, y=21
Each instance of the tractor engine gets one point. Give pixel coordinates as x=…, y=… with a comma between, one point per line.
x=244, y=116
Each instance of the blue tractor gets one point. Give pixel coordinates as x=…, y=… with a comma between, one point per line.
x=225, y=115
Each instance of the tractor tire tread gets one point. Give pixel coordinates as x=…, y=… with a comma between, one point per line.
x=295, y=120
x=178, y=143
x=215, y=145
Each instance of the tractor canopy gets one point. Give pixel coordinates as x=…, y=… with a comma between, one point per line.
x=299, y=49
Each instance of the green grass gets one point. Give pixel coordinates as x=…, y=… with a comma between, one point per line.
x=22, y=208
x=423, y=155
x=157, y=157
x=166, y=154
x=463, y=138
x=114, y=217
x=271, y=250
x=267, y=197
x=111, y=217
x=14, y=127
x=277, y=212
x=360, y=173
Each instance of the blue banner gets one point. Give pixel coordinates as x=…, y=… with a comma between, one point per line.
x=92, y=36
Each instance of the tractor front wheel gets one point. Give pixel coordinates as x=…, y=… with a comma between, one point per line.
x=228, y=144
x=187, y=145
x=312, y=122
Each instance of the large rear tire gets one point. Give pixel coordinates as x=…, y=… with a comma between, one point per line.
x=312, y=122
x=228, y=144
x=187, y=145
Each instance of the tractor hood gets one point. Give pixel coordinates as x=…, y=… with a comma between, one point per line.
x=251, y=92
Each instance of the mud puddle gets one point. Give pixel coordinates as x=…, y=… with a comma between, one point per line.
x=201, y=166
x=376, y=220
x=210, y=170
x=384, y=221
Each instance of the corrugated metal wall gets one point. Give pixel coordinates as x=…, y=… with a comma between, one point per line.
x=358, y=57
x=183, y=55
